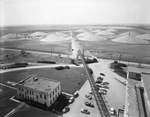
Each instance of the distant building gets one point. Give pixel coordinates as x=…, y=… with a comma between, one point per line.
x=39, y=89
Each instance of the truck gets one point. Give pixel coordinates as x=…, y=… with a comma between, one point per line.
x=120, y=112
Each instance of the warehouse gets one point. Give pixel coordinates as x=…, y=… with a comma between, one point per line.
x=39, y=89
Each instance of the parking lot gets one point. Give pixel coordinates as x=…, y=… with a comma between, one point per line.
x=115, y=94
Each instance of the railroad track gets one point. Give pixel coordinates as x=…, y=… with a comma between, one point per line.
x=104, y=112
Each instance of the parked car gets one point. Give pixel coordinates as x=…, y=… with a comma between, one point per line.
x=102, y=92
x=67, y=67
x=88, y=96
x=89, y=104
x=105, y=86
x=99, y=78
x=105, y=83
x=103, y=89
x=99, y=81
x=76, y=94
x=112, y=112
x=90, y=92
x=102, y=74
x=85, y=111
x=71, y=100
x=59, y=68
x=66, y=109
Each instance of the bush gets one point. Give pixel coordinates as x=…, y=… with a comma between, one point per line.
x=122, y=65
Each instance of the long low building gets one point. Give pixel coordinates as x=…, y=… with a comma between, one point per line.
x=39, y=89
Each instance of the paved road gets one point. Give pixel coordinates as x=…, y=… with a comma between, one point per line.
x=34, y=67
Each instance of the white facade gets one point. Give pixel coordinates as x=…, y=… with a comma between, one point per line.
x=35, y=91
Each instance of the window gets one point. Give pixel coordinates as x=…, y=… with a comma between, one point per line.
x=40, y=95
x=44, y=96
x=37, y=96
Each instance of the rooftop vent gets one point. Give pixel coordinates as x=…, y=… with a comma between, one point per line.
x=35, y=79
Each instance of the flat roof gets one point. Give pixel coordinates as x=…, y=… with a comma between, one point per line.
x=146, y=81
x=135, y=76
x=39, y=83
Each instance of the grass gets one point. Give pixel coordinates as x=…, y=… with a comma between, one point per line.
x=71, y=79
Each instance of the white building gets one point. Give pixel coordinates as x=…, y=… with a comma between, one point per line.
x=39, y=89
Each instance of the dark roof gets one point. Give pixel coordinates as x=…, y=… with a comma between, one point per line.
x=135, y=76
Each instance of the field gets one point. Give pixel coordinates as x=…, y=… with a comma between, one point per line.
x=105, y=49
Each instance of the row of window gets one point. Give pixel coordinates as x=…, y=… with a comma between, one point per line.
x=27, y=91
x=55, y=91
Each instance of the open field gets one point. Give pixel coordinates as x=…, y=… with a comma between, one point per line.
x=11, y=56
x=37, y=45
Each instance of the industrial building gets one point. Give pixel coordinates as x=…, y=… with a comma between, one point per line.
x=39, y=89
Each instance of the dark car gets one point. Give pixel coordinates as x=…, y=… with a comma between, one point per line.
x=99, y=81
x=67, y=67
x=89, y=104
x=85, y=111
x=105, y=83
x=59, y=68
x=99, y=78
x=102, y=74
x=66, y=109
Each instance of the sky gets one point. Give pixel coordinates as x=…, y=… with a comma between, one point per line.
x=43, y=12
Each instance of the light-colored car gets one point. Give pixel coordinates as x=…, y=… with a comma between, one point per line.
x=90, y=92
x=105, y=86
x=112, y=111
x=71, y=100
x=89, y=104
x=102, y=92
x=85, y=111
x=76, y=94
x=103, y=89
x=88, y=96
x=66, y=109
